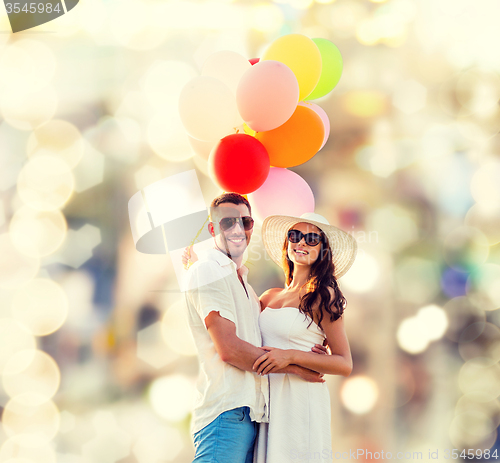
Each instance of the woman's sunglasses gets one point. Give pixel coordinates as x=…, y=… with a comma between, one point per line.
x=229, y=222
x=311, y=239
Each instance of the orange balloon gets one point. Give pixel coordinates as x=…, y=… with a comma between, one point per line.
x=296, y=141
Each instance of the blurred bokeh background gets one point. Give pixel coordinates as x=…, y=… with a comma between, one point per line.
x=96, y=358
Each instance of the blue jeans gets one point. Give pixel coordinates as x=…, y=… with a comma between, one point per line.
x=227, y=439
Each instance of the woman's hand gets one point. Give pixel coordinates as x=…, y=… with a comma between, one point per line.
x=275, y=359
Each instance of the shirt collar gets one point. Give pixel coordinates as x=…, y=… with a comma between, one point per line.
x=222, y=259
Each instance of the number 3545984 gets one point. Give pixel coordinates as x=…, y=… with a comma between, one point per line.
x=33, y=8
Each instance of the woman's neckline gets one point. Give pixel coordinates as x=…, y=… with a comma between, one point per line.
x=296, y=308
x=285, y=307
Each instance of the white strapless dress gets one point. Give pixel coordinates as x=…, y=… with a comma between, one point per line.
x=299, y=411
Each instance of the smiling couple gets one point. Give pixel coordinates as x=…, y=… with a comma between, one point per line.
x=261, y=396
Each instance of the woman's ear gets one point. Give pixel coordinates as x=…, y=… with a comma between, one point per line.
x=211, y=228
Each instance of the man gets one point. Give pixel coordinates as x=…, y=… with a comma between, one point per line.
x=223, y=312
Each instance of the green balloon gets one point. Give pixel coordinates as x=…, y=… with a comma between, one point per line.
x=331, y=69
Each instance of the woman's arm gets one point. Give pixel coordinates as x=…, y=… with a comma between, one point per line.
x=338, y=363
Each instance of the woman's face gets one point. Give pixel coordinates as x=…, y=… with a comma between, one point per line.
x=301, y=253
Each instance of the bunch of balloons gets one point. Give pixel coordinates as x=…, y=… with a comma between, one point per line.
x=252, y=119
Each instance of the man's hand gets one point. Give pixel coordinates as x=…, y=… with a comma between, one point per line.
x=308, y=375
x=189, y=257
x=320, y=349
x=275, y=359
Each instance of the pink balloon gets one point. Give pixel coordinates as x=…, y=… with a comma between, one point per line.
x=284, y=193
x=267, y=95
x=324, y=117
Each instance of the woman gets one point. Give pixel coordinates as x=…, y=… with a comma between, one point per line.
x=293, y=321
x=306, y=312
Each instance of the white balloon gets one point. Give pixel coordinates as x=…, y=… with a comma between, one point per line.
x=201, y=148
x=227, y=66
x=207, y=108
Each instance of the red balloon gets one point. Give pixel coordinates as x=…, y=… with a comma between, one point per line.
x=254, y=61
x=239, y=163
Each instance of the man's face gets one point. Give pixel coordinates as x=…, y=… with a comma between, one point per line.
x=234, y=239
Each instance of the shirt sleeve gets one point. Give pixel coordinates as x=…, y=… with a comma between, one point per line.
x=209, y=291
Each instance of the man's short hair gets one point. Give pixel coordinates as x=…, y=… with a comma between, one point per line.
x=233, y=198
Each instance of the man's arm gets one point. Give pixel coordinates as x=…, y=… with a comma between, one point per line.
x=242, y=354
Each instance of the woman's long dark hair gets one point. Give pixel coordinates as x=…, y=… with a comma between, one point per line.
x=321, y=278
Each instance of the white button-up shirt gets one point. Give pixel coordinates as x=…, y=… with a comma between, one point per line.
x=214, y=286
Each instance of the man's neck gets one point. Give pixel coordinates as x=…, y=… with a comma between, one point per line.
x=237, y=260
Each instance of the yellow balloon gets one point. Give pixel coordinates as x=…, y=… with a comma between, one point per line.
x=248, y=130
x=302, y=56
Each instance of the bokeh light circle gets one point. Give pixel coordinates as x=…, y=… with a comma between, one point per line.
x=480, y=340
x=171, y=397
x=480, y=375
x=136, y=25
x=164, y=443
x=14, y=337
x=16, y=268
x=363, y=274
x=164, y=81
x=37, y=233
x=417, y=280
x=395, y=226
x=434, y=319
x=465, y=248
x=412, y=335
x=470, y=431
x=57, y=138
x=359, y=394
x=485, y=187
x=20, y=460
x=27, y=446
x=175, y=330
x=478, y=90
x=487, y=220
x=119, y=137
x=28, y=111
x=461, y=312
x=168, y=139
x=483, y=287
x=479, y=402
x=27, y=65
x=45, y=183
x=31, y=371
x=41, y=305
x=266, y=18
x=31, y=413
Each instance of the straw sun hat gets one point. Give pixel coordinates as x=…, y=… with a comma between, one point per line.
x=343, y=245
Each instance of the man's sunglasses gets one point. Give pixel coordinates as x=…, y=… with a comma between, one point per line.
x=229, y=222
x=311, y=239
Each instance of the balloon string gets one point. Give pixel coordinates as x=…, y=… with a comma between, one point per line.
x=199, y=232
